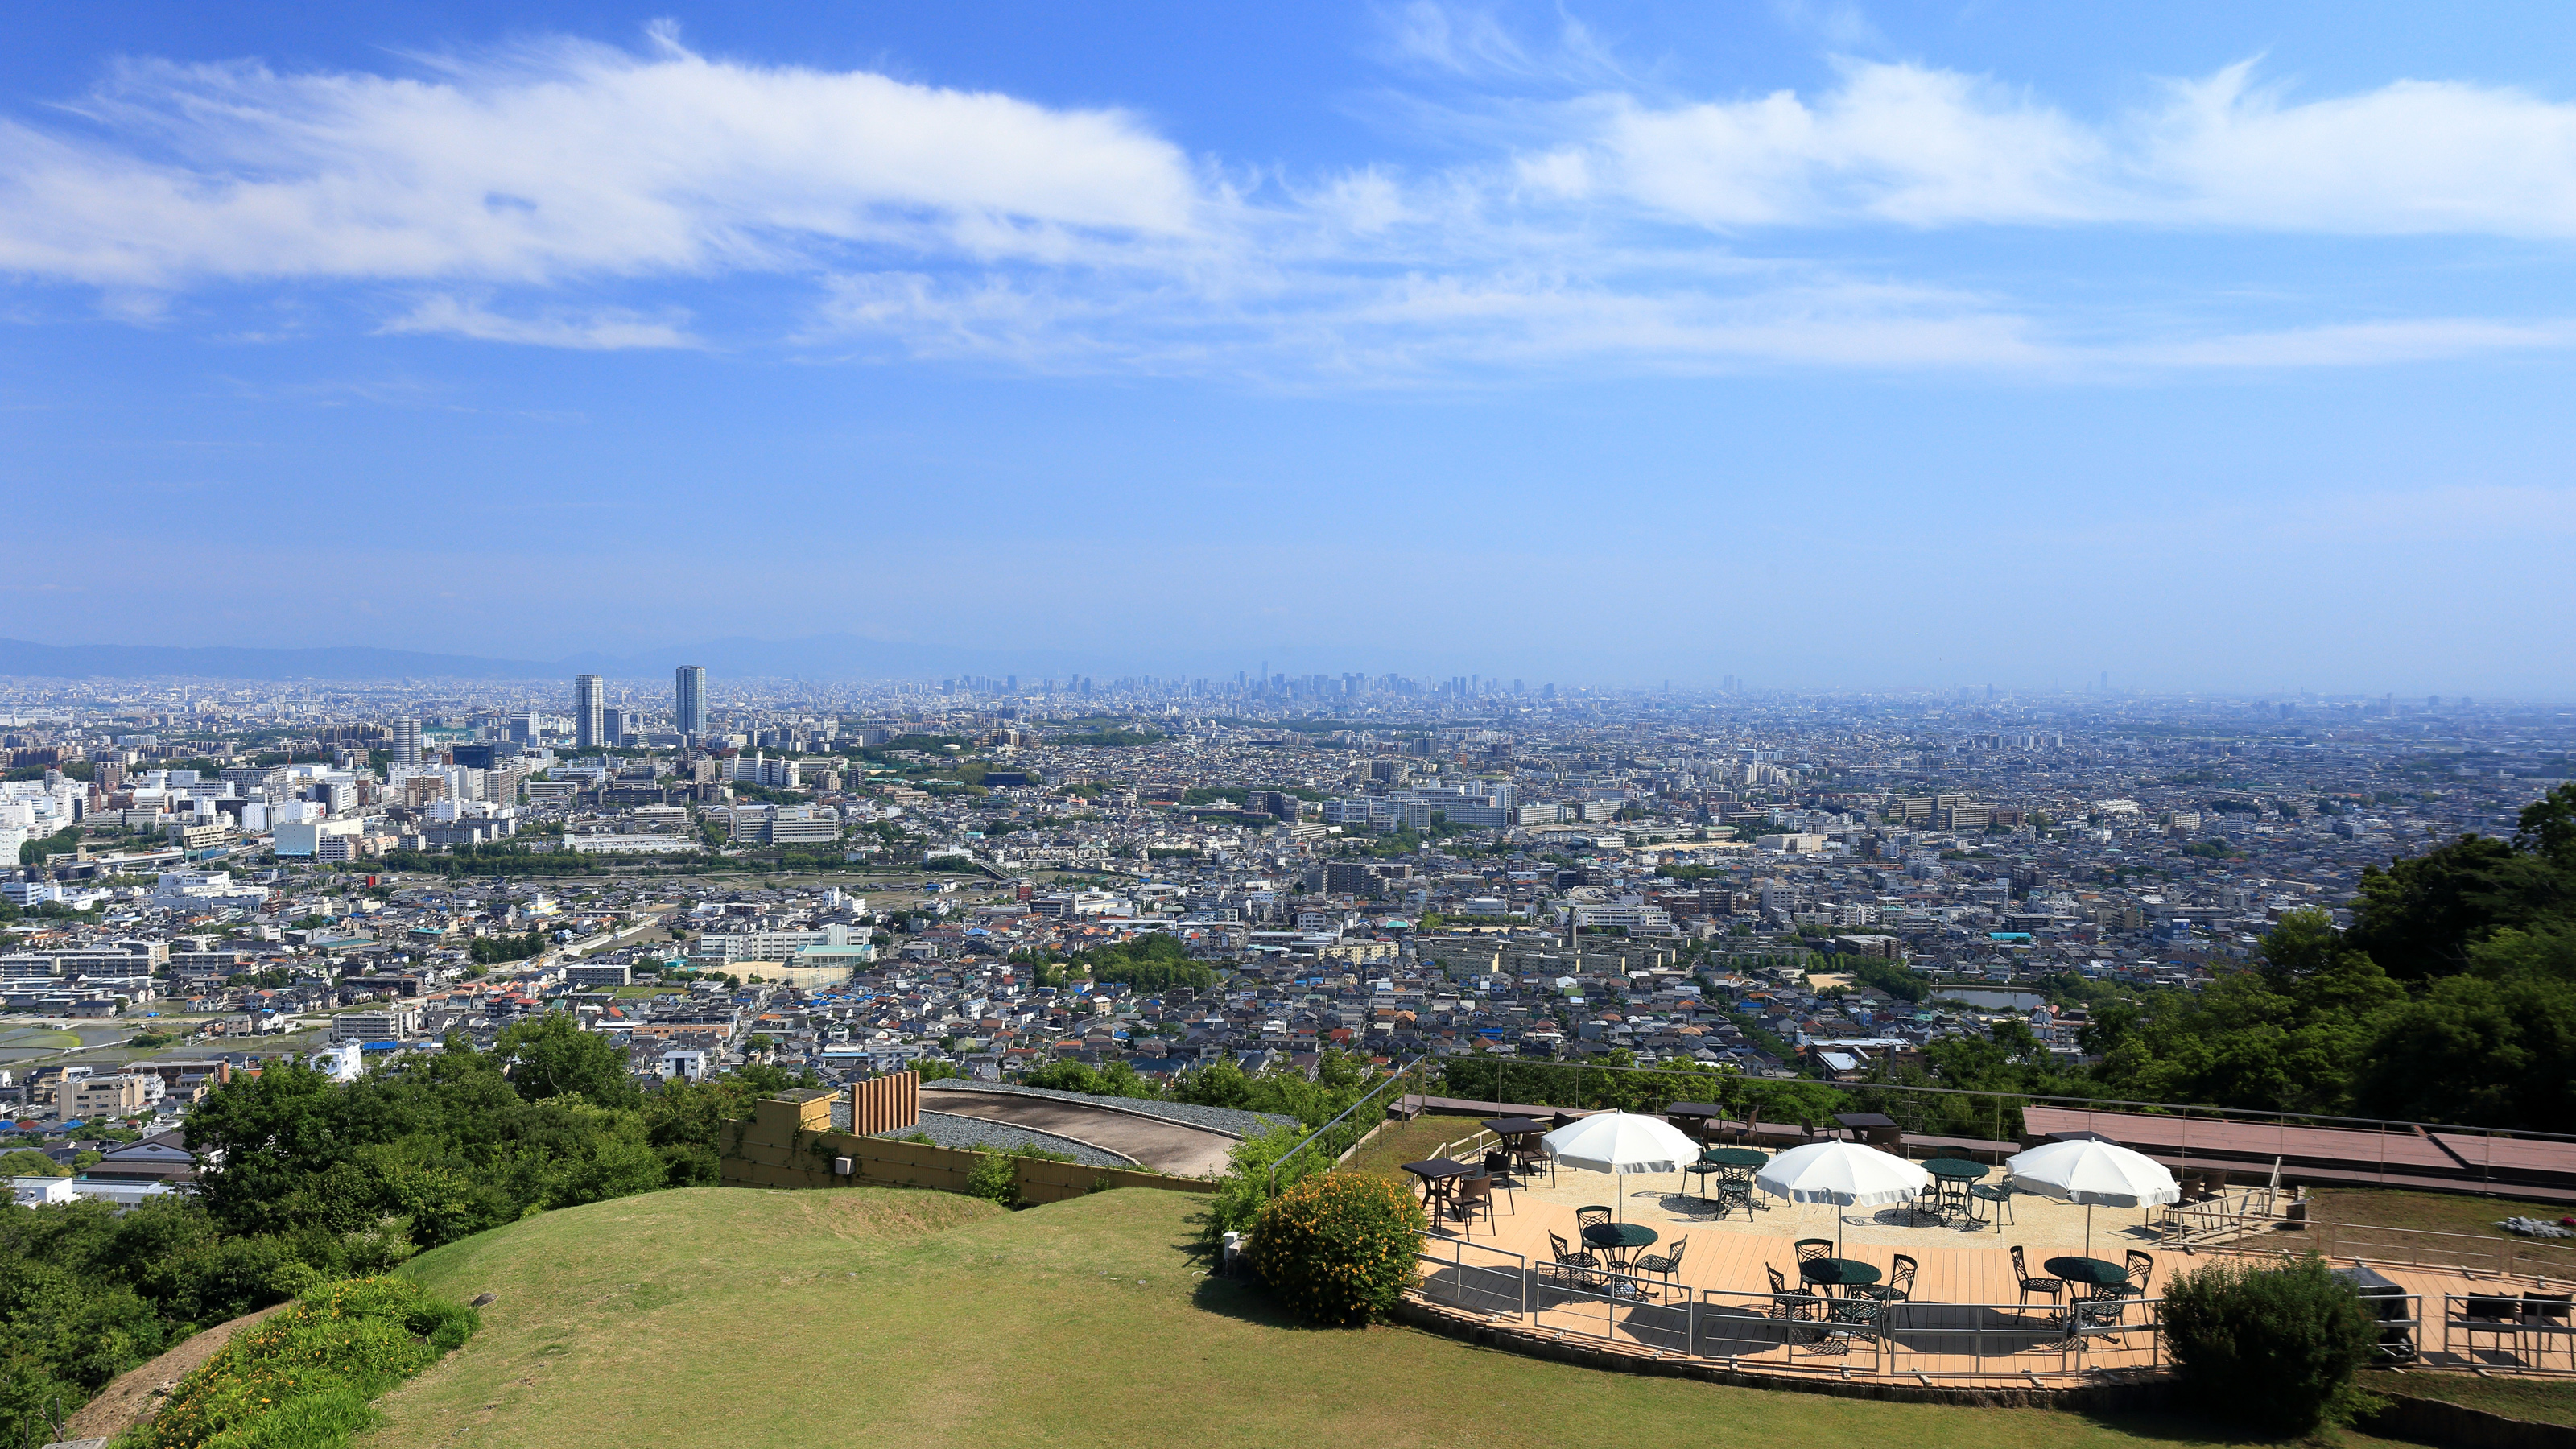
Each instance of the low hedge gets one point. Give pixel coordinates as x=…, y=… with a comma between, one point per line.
x=1339, y=1248
x=302, y=1378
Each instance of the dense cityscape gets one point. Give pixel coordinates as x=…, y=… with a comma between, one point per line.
x=1402, y=722
x=846, y=882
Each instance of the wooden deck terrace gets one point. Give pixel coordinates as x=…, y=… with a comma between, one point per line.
x=1966, y=1327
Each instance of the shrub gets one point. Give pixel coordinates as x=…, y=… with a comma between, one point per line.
x=1246, y=1185
x=995, y=1178
x=2274, y=1347
x=996, y=1175
x=303, y=1377
x=1339, y=1248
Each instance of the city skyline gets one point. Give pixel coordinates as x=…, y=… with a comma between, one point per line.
x=1826, y=345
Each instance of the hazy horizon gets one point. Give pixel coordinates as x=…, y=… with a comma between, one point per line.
x=1826, y=345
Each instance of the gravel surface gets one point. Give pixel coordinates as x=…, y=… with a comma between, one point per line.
x=950, y=1130
x=1221, y=1119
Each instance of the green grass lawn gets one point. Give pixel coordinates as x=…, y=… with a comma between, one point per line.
x=2439, y=1212
x=2363, y=1222
x=2549, y=1401
x=1402, y=1142
x=731, y=1317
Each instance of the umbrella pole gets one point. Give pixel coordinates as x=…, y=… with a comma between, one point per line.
x=2088, y=1230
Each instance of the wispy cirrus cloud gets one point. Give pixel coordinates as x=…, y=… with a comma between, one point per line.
x=600, y=330
x=1605, y=222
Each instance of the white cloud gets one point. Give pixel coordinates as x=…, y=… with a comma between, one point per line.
x=606, y=330
x=566, y=160
x=1602, y=227
x=1909, y=144
x=1894, y=142
x=2357, y=344
x=2415, y=156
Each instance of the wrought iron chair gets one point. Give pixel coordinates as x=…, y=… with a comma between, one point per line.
x=1998, y=1200
x=2055, y=1290
x=1737, y=1191
x=1811, y=1249
x=1575, y=1268
x=1899, y=1287
x=1788, y=1304
x=1590, y=1217
x=1663, y=1265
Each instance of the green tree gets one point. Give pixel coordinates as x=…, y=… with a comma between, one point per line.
x=551, y=1056
x=2495, y=1047
x=27, y=1162
x=2421, y=917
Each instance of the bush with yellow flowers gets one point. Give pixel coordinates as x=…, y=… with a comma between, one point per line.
x=303, y=1375
x=1339, y=1248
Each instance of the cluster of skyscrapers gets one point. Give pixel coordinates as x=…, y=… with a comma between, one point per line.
x=593, y=728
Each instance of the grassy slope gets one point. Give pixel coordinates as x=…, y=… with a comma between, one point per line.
x=2438, y=1212
x=2549, y=1401
x=730, y=1317
x=1401, y=1142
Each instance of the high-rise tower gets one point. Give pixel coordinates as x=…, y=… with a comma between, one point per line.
x=589, y=711
x=689, y=700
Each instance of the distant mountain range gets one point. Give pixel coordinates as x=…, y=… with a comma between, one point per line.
x=820, y=657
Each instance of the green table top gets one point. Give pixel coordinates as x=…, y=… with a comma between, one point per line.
x=1618, y=1235
x=2100, y=1272
x=1734, y=1156
x=1849, y=1272
x=1955, y=1169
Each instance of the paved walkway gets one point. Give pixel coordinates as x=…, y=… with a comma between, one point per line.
x=1162, y=1146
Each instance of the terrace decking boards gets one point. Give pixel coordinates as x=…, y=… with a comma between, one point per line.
x=2519, y=1160
x=2333, y=1156
x=1962, y=1285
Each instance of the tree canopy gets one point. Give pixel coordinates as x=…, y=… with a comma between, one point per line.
x=2451, y=999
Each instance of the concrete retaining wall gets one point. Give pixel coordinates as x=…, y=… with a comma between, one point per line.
x=788, y=1143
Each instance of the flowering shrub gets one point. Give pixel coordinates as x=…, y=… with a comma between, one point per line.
x=1339, y=1248
x=303, y=1376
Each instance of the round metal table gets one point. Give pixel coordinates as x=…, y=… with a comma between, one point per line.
x=1619, y=1240
x=1955, y=1175
x=2094, y=1273
x=1843, y=1273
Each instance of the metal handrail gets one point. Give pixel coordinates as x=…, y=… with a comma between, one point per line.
x=1798, y=1338
x=2287, y=1118
x=1520, y=1270
x=2455, y=1316
x=1400, y=1074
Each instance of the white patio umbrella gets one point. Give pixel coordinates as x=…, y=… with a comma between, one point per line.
x=2089, y=1170
x=1621, y=1143
x=1845, y=1174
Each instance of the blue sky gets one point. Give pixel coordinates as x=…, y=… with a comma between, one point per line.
x=2215, y=346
